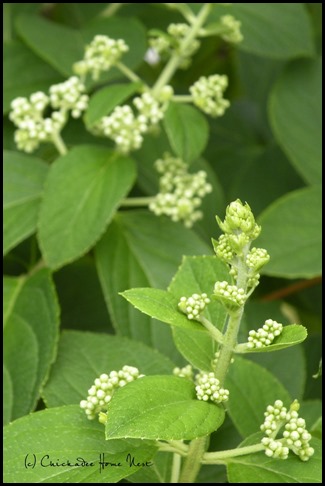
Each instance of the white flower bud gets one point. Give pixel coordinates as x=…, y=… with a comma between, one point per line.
x=230, y=295
x=207, y=94
x=185, y=372
x=100, y=55
x=208, y=388
x=231, y=29
x=100, y=394
x=265, y=335
x=179, y=191
x=294, y=437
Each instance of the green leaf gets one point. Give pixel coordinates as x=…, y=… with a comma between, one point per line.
x=82, y=193
x=77, y=14
x=31, y=333
x=11, y=288
x=187, y=131
x=316, y=429
x=296, y=116
x=129, y=249
x=24, y=177
x=258, y=468
x=161, y=305
x=119, y=268
x=288, y=366
x=159, y=244
x=81, y=298
x=83, y=356
x=58, y=45
x=17, y=8
x=212, y=204
x=161, y=407
x=106, y=99
x=21, y=360
x=61, y=435
x=197, y=348
x=269, y=34
x=251, y=389
x=198, y=275
x=8, y=396
x=160, y=472
x=291, y=234
x=212, y=474
x=310, y=410
x=290, y=336
x=19, y=81
x=271, y=170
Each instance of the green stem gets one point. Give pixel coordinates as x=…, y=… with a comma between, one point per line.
x=59, y=144
x=167, y=448
x=40, y=264
x=192, y=463
x=213, y=331
x=229, y=343
x=176, y=468
x=242, y=348
x=137, y=201
x=176, y=59
x=179, y=444
x=175, y=446
x=230, y=336
x=220, y=456
x=112, y=9
x=128, y=73
x=184, y=9
x=182, y=98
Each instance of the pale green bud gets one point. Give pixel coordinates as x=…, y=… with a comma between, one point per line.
x=239, y=219
x=230, y=296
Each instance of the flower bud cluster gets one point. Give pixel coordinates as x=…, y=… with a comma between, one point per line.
x=126, y=128
x=265, y=335
x=100, y=55
x=257, y=258
x=230, y=29
x=231, y=296
x=239, y=220
x=180, y=193
x=33, y=128
x=28, y=114
x=295, y=436
x=223, y=249
x=101, y=392
x=166, y=44
x=185, y=372
x=207, y=94
x=193, y=306
x=151, y=109
x=69, y=96
x=178, y=32
x=275, y=448
x=208, y=388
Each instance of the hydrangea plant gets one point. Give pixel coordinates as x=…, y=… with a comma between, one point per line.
x=126, y=135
